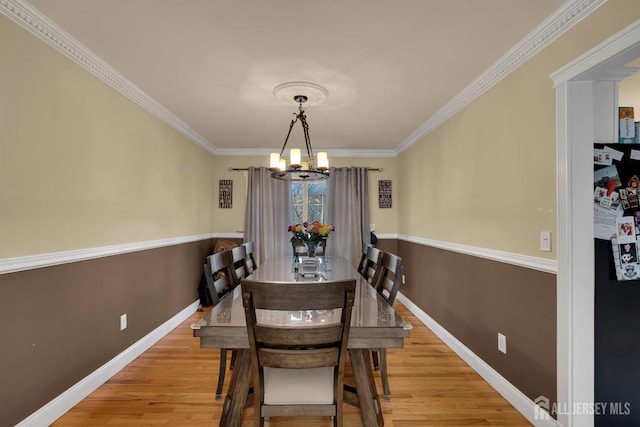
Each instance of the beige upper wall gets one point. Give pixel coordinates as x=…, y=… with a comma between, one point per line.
x=487, y=177
x=232, y=220
x=83, y=166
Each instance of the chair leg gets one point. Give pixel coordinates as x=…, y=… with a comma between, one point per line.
x=384, y=375
x=376, y=363
x=234, y=353
x=221, y=372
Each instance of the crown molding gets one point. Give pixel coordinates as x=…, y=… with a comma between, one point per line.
x=38, y=24
x=45, y=29
x=568, y=15
x=330, y=152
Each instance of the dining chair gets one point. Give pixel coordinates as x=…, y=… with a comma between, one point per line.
x=239, y=268
x=372, y=266
x=251, y=262
x=363, y=257
x=388, y=284
x=298, y=334
x=300, y=249
x=321, y=249
x=217, y=271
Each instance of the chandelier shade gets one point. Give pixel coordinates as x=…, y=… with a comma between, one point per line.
x=296, y=171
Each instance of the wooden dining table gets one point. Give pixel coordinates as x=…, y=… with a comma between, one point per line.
x=374, y=325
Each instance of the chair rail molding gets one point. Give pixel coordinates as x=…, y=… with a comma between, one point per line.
x=535, y=263
x=29, y=262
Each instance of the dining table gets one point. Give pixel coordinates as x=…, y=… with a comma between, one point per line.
x=374, y=325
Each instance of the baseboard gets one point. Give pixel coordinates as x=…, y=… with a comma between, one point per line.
x=515, y=397
x=67, y=400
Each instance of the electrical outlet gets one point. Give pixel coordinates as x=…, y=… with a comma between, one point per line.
x=404, y=279
x=502, y=343
x=123, y=322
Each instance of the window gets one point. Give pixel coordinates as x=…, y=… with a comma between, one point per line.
x=309, y=200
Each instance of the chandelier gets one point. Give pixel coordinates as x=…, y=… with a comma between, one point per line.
x=296, y=171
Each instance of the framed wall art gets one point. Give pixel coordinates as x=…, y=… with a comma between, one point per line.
x=384, y=193
x=225, y=193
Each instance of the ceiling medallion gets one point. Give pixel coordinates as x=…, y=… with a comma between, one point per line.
x=286, y=92
x=302, y=92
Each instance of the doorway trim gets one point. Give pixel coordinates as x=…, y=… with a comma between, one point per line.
x=577, y=91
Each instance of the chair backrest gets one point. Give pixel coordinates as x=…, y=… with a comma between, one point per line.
x=294, y=365
x=217, y=271
x=321, y=249
x=251, y=261
x=300, y=249
x=363, y=258
x=390, y=277
x=239, y=267
x=372, y=266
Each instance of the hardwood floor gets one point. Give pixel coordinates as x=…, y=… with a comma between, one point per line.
x=173, y=384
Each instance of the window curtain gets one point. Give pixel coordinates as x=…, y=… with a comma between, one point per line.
x=269, y=214
x=348, y=210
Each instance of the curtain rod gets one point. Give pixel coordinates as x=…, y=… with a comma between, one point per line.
x=246, y=169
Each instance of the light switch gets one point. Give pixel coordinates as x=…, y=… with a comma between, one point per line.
x=545, y=241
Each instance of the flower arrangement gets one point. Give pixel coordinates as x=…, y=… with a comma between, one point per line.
x=313, y=232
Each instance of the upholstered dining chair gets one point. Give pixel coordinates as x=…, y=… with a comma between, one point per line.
x=239, y=268
x=298, y=369
x=217, y=271
x=251, y=262
x=388, y=284
x=372, y=266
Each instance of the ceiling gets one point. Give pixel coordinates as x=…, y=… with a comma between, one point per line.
x=389, y=67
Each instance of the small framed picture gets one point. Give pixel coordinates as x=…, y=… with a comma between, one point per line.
x=625, y=229
x=628, y=253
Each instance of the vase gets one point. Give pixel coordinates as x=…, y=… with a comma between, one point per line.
x=311, y=247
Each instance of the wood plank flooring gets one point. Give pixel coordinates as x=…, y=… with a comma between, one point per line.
x=173, y=384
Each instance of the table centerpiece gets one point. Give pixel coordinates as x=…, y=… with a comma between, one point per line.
x=311, y=234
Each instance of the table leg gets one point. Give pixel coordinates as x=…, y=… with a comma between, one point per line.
x=234, y=401
x=366, y=387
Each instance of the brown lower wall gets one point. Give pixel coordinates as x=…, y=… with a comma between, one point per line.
x=474, y=299
x=58, y=324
